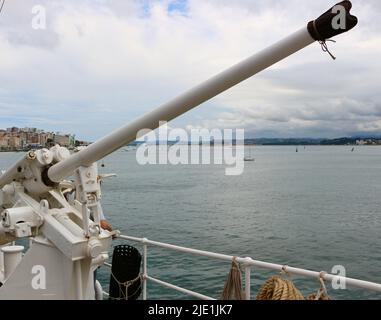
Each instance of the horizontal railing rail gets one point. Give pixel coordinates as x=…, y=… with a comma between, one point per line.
x=247, y=262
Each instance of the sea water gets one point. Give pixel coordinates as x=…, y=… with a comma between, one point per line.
x=313, y=209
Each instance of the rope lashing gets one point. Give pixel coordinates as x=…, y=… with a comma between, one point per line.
x=277, y=288
x=284, y=272
x=126, y=285
x=322, y=293
x=324, y=47
x=323, y=42
x=233, y=284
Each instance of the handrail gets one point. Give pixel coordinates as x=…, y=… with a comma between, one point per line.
x=180, y=289
x=248, y=263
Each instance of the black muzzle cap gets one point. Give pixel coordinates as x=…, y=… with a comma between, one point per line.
x=328, y=24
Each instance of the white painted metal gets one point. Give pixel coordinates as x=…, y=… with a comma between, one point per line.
x=1, y=266
x=78, y=280
x=88, y=195
x=62, y=217
x=145, y=273
x=98, y=291
x=260, y=264
x=182, y=103
x=59, y=273
x=180, y=289
x=247, y=283
x=59, y=153
x=9, y=175
x=12, y=256
x=13, y=216
x=62, y=252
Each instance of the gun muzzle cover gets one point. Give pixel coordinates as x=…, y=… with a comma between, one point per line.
x=323, y=28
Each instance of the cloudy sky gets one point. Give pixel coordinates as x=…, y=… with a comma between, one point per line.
x=101, y=63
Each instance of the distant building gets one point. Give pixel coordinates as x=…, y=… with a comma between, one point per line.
x=360, y=142
x=14, y=143
x=62, y=140
x=4, y=140
x=368, y=142
x=32, y=138
x=45, y=138
x=12, y=130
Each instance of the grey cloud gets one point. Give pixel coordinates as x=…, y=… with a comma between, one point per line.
x=99, y=57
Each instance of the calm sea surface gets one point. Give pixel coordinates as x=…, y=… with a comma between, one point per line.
x=313, y=209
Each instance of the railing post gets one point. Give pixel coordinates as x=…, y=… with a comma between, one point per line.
x=247, y=280
x=145, y=269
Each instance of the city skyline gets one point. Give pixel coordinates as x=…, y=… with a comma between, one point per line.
x=15, y=139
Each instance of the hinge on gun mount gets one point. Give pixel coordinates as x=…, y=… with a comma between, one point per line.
x=88, y=193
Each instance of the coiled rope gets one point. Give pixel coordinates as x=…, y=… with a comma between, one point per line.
x=277, y=288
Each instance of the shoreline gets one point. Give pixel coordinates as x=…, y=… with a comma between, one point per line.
x=248, y=145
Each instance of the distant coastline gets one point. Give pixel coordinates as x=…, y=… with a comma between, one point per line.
x=24, y=139
x=346, y=141
x=252, y=142
x=314, y=142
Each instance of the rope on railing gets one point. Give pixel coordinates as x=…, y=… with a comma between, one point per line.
x=249, y=262
x=233, y=284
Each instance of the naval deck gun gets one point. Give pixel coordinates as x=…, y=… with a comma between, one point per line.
x=66, y=244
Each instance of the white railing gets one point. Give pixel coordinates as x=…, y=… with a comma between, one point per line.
x=248, y=263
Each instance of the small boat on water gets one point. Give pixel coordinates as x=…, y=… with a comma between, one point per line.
x=249, y=158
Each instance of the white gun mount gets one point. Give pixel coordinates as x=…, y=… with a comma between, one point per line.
x=66, y=244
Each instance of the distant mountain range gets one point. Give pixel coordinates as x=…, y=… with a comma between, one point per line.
x=297, y=141
x=313, y=141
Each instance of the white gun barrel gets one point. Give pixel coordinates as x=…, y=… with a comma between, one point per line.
x=320, y=29
x=182, y=104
